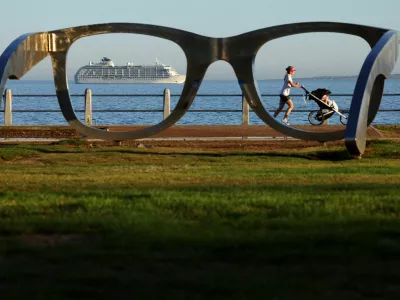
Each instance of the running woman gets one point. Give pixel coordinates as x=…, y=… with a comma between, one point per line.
x=285, y=94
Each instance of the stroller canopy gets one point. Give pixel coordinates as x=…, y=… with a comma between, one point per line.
x=319, y=93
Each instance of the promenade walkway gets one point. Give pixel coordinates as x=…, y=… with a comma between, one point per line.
x=174, y=132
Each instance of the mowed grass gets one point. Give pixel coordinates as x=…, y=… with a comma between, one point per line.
x=80, y=222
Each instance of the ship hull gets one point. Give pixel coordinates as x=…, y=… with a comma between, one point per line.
x=174, y=79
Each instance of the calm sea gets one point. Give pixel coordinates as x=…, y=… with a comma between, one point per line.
x=337, y=86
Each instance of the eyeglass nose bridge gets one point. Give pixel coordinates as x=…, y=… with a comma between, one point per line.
x=229, y=49
x=234, y=50
x=211, y=51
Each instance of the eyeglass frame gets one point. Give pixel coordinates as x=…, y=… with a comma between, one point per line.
x=239, y=51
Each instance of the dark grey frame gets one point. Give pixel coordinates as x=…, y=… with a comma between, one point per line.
x=201, y=51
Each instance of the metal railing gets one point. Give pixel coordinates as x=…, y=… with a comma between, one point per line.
x=88, y=110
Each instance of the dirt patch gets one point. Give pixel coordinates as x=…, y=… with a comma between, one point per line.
x=211, y=145
x=233, y=145
x=182, y=131
x=38, y=133
x=51, y=239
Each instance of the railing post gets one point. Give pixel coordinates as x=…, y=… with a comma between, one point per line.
x=245, y=111
x=167, y=103
x=88, y=107
x=8, y=108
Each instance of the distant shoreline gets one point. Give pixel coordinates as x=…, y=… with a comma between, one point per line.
x=391, y=76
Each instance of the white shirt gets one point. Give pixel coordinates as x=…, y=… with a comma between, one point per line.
x=286, y=85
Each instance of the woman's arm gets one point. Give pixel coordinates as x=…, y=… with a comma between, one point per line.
x=296, y=85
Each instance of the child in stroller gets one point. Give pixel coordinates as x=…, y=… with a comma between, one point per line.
x=327, y=107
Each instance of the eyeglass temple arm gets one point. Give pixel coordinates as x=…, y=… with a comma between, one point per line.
x=22, y=55
x=369, y=90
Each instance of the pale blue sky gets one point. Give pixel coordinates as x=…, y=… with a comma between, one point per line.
x=329, y=54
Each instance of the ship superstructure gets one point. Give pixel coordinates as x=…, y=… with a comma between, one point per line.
x=107, y=72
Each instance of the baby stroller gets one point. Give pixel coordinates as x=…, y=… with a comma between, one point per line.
x=318, y=117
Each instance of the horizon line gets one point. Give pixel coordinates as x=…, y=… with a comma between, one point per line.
x=264, y=79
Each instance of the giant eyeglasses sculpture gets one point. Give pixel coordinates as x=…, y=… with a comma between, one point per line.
x=200, y=51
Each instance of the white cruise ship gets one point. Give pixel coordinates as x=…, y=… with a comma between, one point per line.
x=106, y=72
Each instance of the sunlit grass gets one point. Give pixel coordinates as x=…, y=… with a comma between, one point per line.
x=169, y=223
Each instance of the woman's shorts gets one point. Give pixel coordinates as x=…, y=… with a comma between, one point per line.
x=284, y=99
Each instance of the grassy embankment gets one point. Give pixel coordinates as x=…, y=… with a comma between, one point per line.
x=109, y=222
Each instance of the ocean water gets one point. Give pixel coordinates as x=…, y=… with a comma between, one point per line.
x=118, y=102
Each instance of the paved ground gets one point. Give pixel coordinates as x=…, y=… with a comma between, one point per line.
x=253, y=137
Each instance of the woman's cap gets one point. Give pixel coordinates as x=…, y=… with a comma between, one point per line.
x=290, y=68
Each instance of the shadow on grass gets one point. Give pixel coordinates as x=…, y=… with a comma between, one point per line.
x=162, y=244
x=312, y=259
x=375, y=149
x=326, y=155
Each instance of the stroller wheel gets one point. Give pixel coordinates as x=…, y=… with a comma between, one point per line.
x=344, y=120
x=316, y=118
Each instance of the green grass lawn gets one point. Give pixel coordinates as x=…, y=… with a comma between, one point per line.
x=79, y=222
